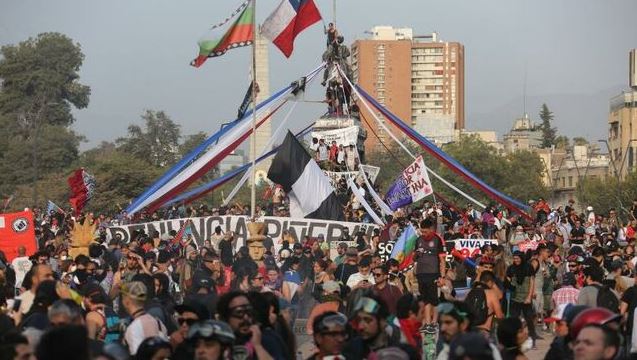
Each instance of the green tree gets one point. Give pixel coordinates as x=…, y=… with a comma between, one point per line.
x=562, y=142
x=40, y=86
x=580, y=141
x=548, y=132
x=191, y=142
x=157, y=143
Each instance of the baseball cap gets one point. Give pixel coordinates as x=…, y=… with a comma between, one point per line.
x=558, y=314
x=351, y=251
x=135, y=290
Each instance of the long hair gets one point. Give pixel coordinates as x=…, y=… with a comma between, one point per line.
x=508, y=337
x=280, y=325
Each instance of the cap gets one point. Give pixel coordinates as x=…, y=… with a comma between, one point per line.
x=135, y=290
x=351, y=251
x=202, y=283
x=331, y=286
x=469, y=345
x=194, y=307
x=558, y=314
x=590, y=208
x=342, y=245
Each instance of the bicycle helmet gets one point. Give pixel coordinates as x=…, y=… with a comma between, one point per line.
x=596, y=315
x=212, y=329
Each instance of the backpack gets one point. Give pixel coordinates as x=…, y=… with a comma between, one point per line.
x=607, y=299
x=113, y=326
x=476, y=300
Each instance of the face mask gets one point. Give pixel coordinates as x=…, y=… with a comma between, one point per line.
x=527, y=345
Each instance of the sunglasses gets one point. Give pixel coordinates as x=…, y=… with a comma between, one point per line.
x=378, y=274
x=572, y=265
x=240, y=312
x=190, y=322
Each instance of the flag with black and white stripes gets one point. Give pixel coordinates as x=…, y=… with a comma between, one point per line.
x=301, y=177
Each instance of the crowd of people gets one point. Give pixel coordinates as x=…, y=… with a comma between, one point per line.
x=564, y=274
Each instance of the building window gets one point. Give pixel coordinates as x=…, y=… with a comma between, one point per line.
x=570, y=181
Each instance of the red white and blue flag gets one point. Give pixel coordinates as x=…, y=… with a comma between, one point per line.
x=287, y=21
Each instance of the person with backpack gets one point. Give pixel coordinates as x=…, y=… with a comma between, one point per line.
x=595, y=294
x=102, y=322
x=483, y=300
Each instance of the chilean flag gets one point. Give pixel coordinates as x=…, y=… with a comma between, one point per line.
x=287, y=21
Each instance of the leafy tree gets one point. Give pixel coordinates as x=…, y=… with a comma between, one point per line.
x=562, y=142
x=191, y=142
x=580, y=141
x=40, y=85
x=548, y=132
x=157, y=143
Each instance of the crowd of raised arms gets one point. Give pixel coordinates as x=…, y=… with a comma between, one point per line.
x=565, y=274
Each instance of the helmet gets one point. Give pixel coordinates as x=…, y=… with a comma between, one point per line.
x=596, y=315
x=212, y=329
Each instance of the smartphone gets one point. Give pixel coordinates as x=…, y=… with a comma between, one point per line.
x=16, y=305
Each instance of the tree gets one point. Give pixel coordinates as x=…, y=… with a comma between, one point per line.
x=548, y=132
x=580, y=141
x=157, y=143
x=191, y=142
x=40, y=85
x=562, y=142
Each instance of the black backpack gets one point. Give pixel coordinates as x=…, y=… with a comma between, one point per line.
x=607, y=299
x=476, y=301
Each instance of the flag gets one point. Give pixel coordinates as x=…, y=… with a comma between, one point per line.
x=403, y=250
x=185, y=230
x=17, y=229
x=51, y=206
x=82, y=189
x=412, y=185
x=241, y=33
x=287, y=21
x=247, y=99
x=300, y=176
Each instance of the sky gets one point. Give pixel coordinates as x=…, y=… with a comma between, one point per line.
x=574, y=54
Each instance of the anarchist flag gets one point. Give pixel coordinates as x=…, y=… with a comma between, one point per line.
x=82, y=189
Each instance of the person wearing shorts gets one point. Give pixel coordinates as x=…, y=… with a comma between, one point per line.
x=430, y=269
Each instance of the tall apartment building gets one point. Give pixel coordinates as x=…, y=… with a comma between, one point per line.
x=418, y=78
x=622, y=124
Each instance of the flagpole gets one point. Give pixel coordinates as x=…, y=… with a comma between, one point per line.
x=253, y=190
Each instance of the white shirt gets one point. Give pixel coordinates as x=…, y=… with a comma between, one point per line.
x=21, y=266
x=142, y=328
x=355, y=278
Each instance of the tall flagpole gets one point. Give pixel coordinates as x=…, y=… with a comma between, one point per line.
x=253, y=190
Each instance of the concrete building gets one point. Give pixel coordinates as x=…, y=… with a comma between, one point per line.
x=488, y=136
x=568, y=169
x=524, y=135
x=264, y=132
x=418, y=78
x=622, y=132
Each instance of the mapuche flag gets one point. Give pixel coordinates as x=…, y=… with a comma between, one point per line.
x=82, y=189
x=403, y=250
x=241, y=33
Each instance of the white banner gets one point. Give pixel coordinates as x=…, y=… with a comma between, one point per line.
x=471, y=247
x=345, y=136
x=335, y=176
x=417, y=180
x=203, y=227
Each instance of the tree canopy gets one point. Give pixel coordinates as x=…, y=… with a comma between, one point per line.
x=548, y=131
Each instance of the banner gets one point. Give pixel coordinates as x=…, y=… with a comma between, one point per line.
x=17, y=229
x=203, y=227
x=345, y=136
x=470, y=247
x=412, y=185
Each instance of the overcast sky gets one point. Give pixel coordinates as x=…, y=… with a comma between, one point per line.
x=137, y=52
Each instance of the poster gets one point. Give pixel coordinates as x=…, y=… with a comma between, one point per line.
x=345, y=136
x=412, y=184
